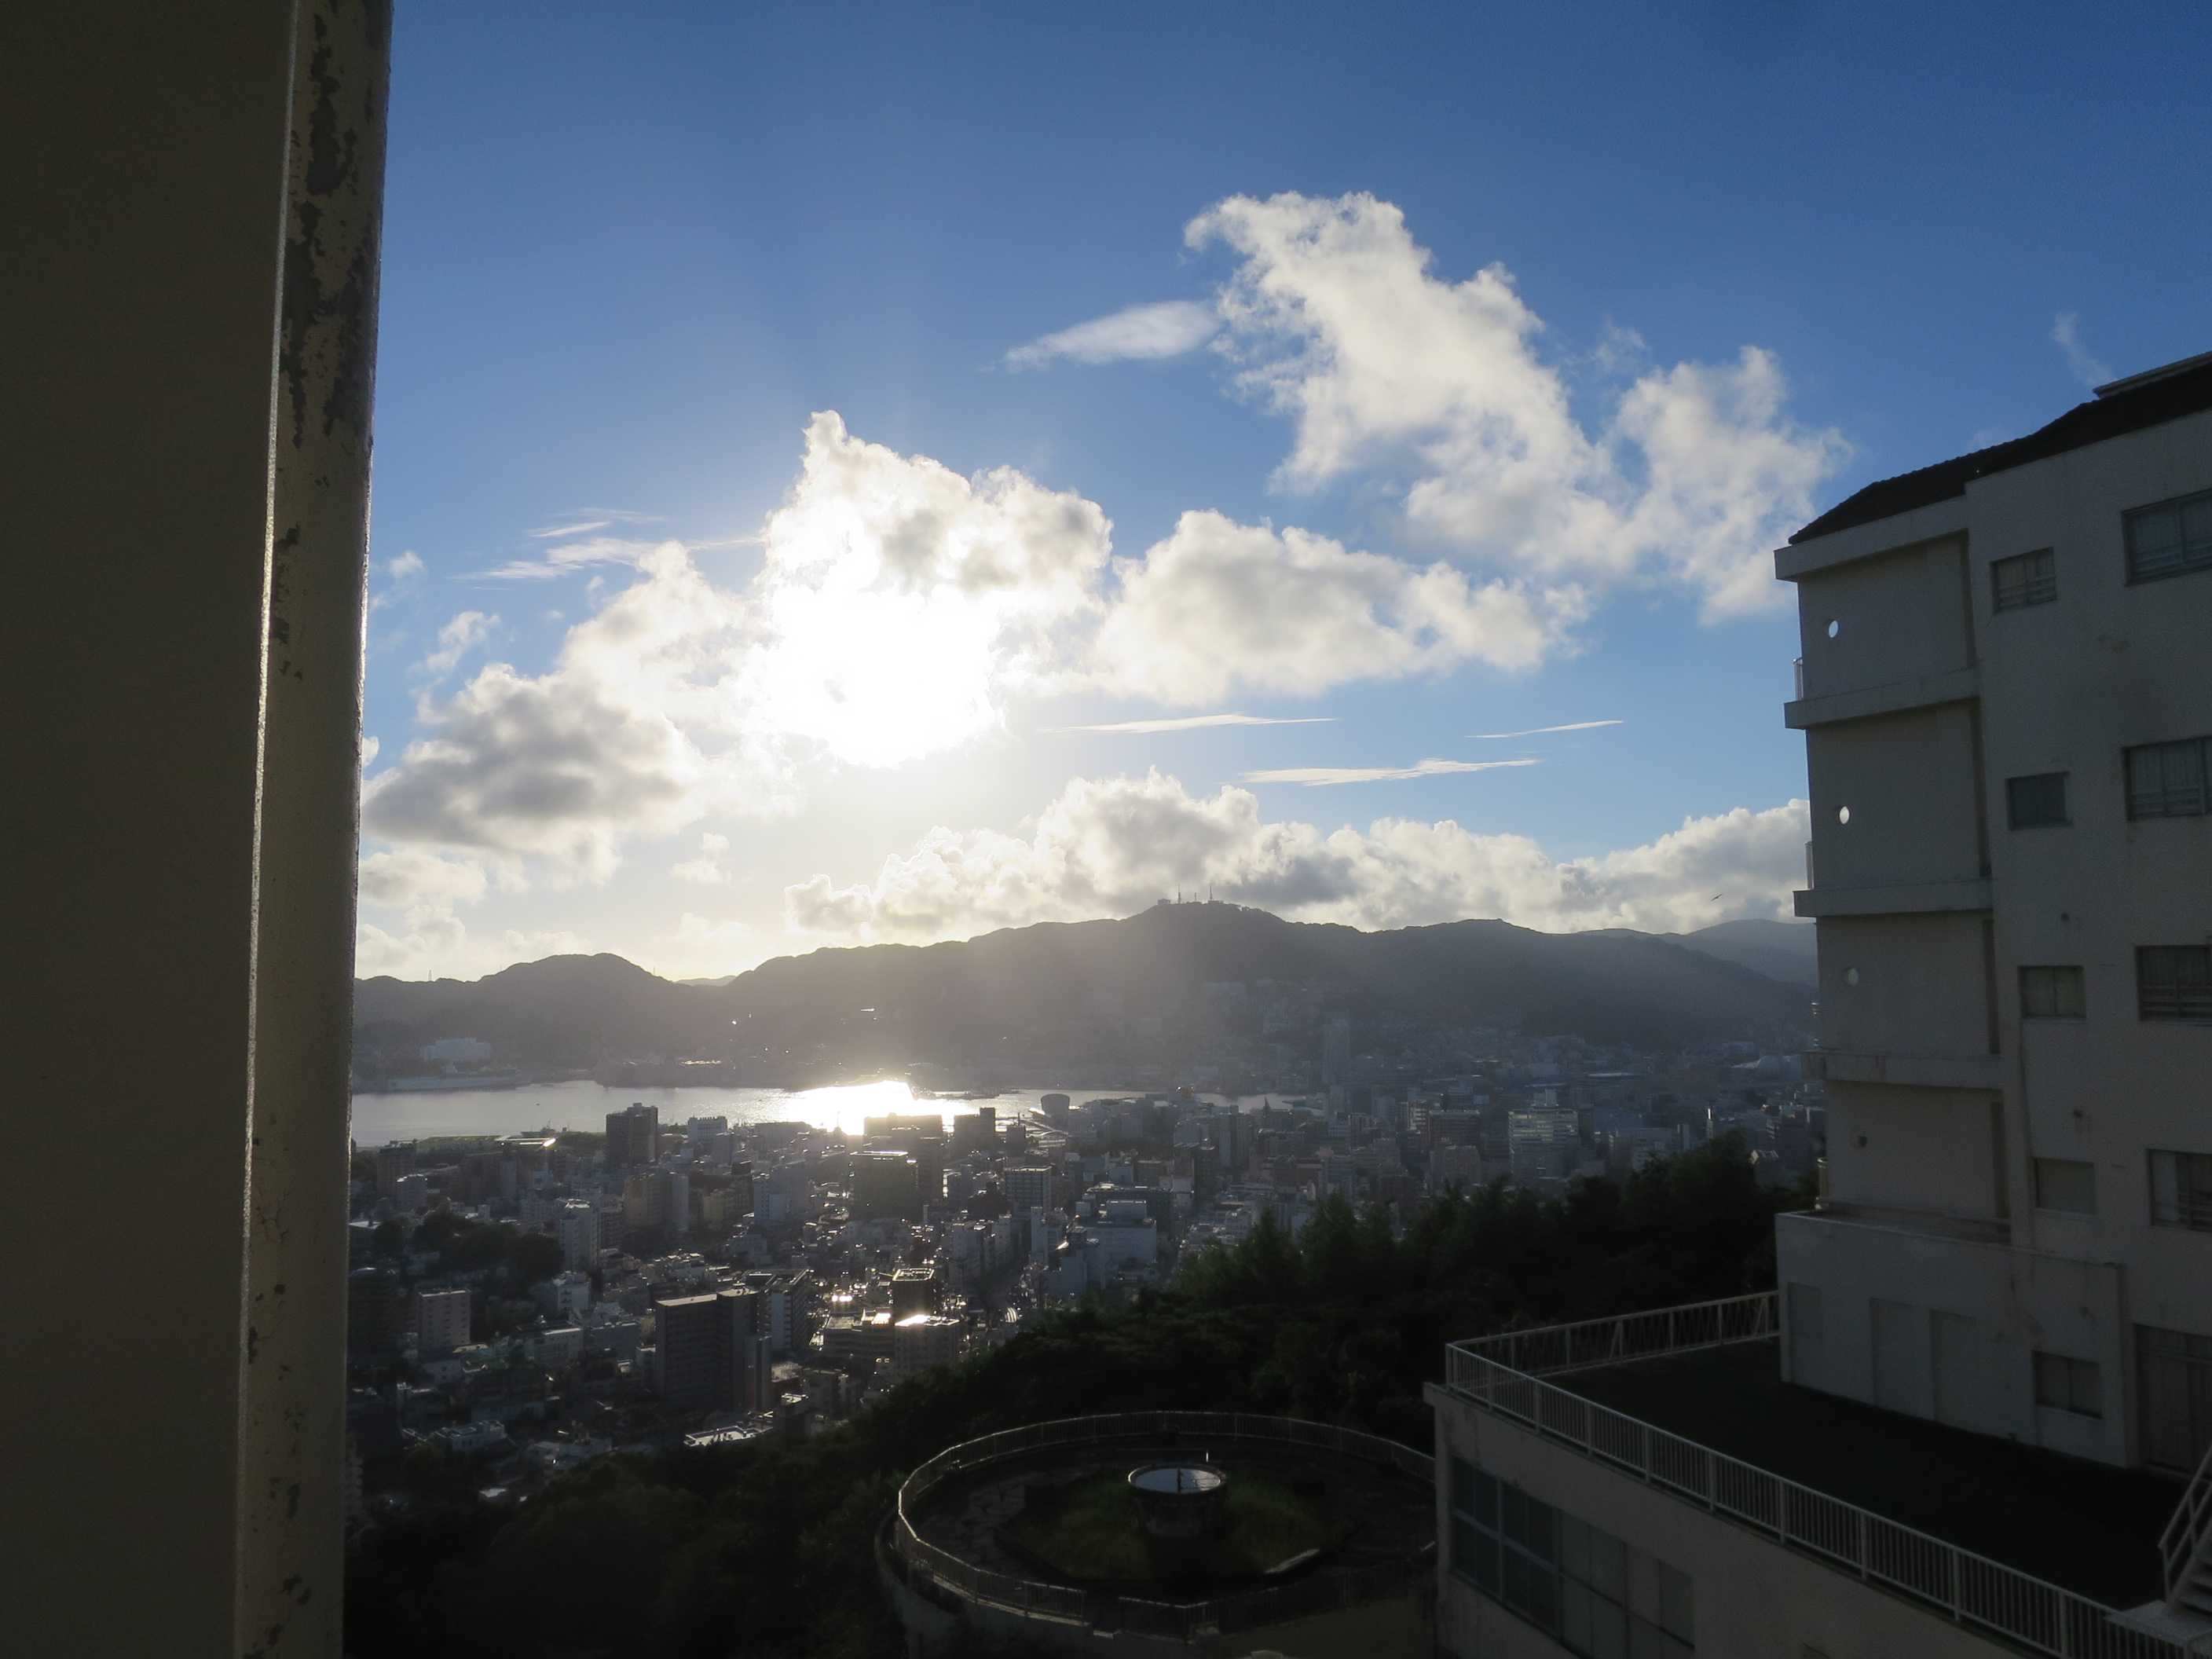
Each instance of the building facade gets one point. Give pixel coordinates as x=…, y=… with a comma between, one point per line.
x=2008, y=712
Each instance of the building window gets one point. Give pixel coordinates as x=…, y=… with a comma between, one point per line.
x=1577, y=1583
x=2023, y=580
x=2167, y=780
x=2051, y=992
x=2181, y=1190
x=2171, y=538
x=2038, y=802
x=2173, y=982
x=2066, y=1184
x=2068, y=1385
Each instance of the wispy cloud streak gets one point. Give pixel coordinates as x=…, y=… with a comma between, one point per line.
x=1198, y=722
x=1321, y=777
x=1538, y=730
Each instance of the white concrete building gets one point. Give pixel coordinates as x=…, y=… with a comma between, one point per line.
x=923, y=1341
x=579, y=1229
x=2007, y=698
x=2007, y=704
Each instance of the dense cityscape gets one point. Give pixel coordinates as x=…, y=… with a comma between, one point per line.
x=520, y=1305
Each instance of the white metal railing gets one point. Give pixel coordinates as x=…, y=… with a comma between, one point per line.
x=2179, y=1544
x=1181, y=1621
x=1549, y=1349
x=1969, y=1588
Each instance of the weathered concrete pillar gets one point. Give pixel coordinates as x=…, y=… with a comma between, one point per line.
x=184, y=274
x=291, y=1558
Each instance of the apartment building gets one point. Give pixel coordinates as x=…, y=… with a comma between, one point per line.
x=1976, y=1415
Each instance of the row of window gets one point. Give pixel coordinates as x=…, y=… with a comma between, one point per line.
x=1581, y=1586
x=2169, y=538
x=2164, y=781
x=2180, y=1187
x=2172, y=982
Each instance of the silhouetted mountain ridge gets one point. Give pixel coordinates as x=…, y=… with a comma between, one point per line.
x=1077, y=988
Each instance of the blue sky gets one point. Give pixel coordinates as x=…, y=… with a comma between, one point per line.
x=629, y=254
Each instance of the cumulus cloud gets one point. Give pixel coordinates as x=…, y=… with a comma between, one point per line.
x=369, y=745
x=1538, y=730
x=1334, y=318
x=705, y=870
x=2087, y=367
x=455, y=640
x=1168, y=328
x=408, y=876
x=638, y=728
x=1219, y=603
x=406, y=564
x=1110, y=847
x=1317, y=777
x=1198, y=723
x=438, y=944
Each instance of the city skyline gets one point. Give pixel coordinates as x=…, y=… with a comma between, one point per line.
x=1371, y=519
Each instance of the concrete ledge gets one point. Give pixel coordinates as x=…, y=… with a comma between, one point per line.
x=1914, y=1070
x=1918, y=898
x=1895, y=534
x=1922, y=691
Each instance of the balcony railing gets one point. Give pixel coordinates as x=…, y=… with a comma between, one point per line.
x=2183, y=1541
x=1968, y=1589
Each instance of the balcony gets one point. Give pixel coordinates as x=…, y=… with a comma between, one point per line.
x=2029, y=1547
x=1920, y=691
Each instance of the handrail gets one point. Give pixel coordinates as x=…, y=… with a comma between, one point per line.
x=2178, y=1544
x=1548, y=1349
x=1183, y=1621
x=1970, y=1589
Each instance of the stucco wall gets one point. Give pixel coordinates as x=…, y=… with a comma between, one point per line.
x=1897, y=1148
x=1898, y=616
x=1909, y=782
x=1922, y=984
x=1978, y=1376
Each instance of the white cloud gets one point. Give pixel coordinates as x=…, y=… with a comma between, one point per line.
x=638, y=728
x=1198, y=723
x=409, y=876
x=1538, y=730
x=1168, y=328
x=440, y=945
x=1316, y=777
x=406, y=564
x=593, y=553
x=1219, y=604
x=467, y=630
x=1111, y=847
x=1335, y=320
x=369, y=745
x=2087, y=367
x=705, y=870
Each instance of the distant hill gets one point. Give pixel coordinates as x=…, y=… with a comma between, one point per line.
x=1068, y=988
x=1782, y=950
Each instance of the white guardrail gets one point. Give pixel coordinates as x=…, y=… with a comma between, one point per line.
x=1180, y=1621
x=1499, y=1373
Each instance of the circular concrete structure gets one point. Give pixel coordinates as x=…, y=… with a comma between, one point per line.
x=1049, y=1539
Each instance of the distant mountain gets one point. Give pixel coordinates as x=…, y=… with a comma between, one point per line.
x=1782, y=950
x=1074, y=988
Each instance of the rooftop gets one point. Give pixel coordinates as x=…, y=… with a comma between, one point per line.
x=2082, y=1526
x=2123, y=406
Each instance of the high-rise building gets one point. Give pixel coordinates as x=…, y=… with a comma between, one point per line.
x=1027, y=1186
x=630, y=1134
x=1542, y=1141
x=441, y=1319
x=2006, y=694
x=394, y=1163
x=579, y=1230
x=920, y=1342
x=886, y=1184
x=658, y=1199
x=711, y=1352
